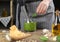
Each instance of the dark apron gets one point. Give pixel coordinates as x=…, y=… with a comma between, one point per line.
x=20, y=3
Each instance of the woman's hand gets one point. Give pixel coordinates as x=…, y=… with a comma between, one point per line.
x=43, y=6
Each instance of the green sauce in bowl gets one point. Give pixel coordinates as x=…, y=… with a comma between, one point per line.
x=31, y=26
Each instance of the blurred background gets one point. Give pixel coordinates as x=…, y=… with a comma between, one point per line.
x=5, y=4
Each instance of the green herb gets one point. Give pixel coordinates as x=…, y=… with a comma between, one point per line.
x=58, y=38
x=34, y=15
x=43, y=38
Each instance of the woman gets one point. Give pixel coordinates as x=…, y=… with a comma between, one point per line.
x=44, y=10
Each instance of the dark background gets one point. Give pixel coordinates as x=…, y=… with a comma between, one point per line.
x=6, y=4
x=57, y=4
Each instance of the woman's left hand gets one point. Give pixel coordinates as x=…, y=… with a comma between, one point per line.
x=42, y=8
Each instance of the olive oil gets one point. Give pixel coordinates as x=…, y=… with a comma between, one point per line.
x=56, y=29
x=4, y=13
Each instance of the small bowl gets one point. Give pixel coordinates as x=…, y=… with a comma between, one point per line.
x=31, y=26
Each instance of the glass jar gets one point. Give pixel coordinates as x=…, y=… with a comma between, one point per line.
x=31, y=26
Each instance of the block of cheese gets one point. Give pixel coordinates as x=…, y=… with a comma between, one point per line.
x=15, y=34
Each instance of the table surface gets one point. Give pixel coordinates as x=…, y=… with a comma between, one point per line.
x=34, y=38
